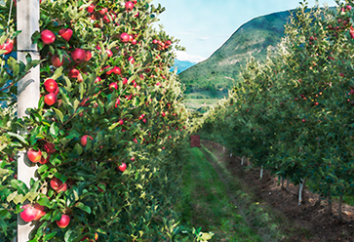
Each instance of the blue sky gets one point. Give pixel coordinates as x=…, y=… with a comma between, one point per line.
x=203, y=26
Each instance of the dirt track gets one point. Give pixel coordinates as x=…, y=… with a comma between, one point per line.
x=310, y=218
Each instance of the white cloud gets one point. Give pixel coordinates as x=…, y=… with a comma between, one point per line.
x=183, y=56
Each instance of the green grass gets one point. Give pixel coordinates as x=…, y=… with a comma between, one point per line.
x=205, y=202
x=197, y=100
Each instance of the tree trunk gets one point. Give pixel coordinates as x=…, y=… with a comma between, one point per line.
x=287, y=185
x=340, y=208
x=301, y=191
x=329, y=201
x=261, y=175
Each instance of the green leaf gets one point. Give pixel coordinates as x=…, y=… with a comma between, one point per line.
x=49, y=236
x=42, y=168
x=31, y=196
x=44, y=201
x=53, y=130
x=19, y=137
x=20, y=186
x=11, y=196
x=67, y=235
x=83, y=207
x=78, y=149
x=59, y=113
x=57, y=73
x=60, y=176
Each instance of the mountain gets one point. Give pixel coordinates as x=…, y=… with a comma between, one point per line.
x=222, y=68
x=182, y=65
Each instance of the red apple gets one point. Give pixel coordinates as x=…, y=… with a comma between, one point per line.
x=8, y=46
x=74, y=73
x=40, y=212
x=116, y=70
x=50, y=85
x=124, y=37
x=84, y=139
x=56, y=61
x=57, y=185
x=91, y=8
x=78, y=55
x=113, y=85
x=66, y=33
x=50, y=99
x=88, y=55
x=129, y=6
x=122, y=167
x=47, y=36
x=103, y=11
x=64, y=221
x=44, y=161
x=29, y=213
x=98, y=79
x=131, y=59
x=109, y=53
x=34, y=156
x=63, y=188
x=49, y=148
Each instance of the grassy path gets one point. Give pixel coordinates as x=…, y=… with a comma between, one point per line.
x=211, y=198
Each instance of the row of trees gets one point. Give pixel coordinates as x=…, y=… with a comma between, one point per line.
x=293, y=115
x=105, y=135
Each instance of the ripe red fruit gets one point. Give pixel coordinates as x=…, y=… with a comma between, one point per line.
x=8, y=46
x=47, y=37
x=122, y=167
x=44, y=161
x=98, y=79
x=125, y=80
x=74, y=73
x=64, y=221
x=113, y=85
x=29, y=213
x=50, y=85
x=131, y=59
x=109, y=53
x=116, y=70
x=40, y=212
x=57, y=185
x=88, y=55
x=49, y=148
x=124, y=37
x=106, y=19
x=66, y=34
x=134, y=42
x=304, y=120
x=34, y=156
x=50, y=99
x=103, y=11
x=83, y=139
x=78, y=55
x=56, y=61
x=91, y=8
x=129, y=6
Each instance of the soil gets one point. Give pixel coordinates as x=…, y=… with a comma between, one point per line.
x=310, y=215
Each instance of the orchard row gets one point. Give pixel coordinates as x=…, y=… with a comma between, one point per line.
x=293, y=115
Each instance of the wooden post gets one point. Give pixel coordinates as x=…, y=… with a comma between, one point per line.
x=27, y=92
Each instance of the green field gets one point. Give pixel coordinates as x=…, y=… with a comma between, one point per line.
x=197, y=100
